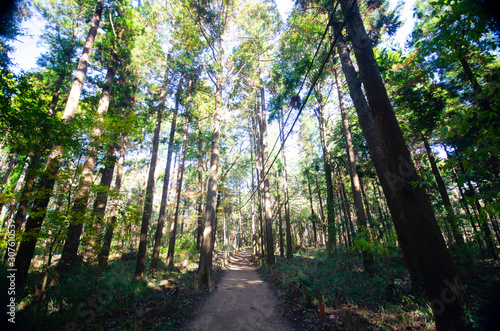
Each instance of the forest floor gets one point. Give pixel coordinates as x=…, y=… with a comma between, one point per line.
x=308, y=292
x=322, y=294
x=243, y=301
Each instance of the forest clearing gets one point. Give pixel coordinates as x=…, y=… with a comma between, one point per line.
x=231, y=165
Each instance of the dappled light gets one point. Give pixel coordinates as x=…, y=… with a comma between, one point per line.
x=250, y=165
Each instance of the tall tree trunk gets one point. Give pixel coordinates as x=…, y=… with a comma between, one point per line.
x=483, y=223
x=481, y=99
x=331, y=245
x=259, y=171
x=367, y=125
x=199, y=234
x=288, y=231
x=15, y=201
x=344, y=206
x=266, y=187
x=180, y=175
x=148, y=199
x=205, y=264
x=478, y=239
x=451, y=220
x=321, y=210
x=252, y=162
x=313, y=214
x=27, y=190
x=427, y=243
x=240, y=229
x=108, y=235
x=6, y=175
x=368, y=260
x=280, y=220
x=369, y=215
x=48, y=178
x=101, y=201
x=166, y=180
x=77, y=214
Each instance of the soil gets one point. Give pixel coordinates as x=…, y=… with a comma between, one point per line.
x=242, y=301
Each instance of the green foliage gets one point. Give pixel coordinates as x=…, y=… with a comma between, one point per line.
x=26, y=123
x=186, y=248
x=342, y=283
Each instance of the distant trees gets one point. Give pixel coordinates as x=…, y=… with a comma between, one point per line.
x=363, y=164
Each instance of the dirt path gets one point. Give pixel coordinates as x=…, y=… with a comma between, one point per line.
x=241, y=302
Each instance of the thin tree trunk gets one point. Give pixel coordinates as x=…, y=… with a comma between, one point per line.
x=108, y=236
x=47, y=181
x=313, y=214
x=344, y=201
x=180, y=175
x=6, y=175
x=289, y=251
x=238, y=242
x=25, y=198
x=481, y=99
x=259, y=167
x=322, y=213
x=199, y=234
x=267, y=192
x=101, y=201
x=70, y=249
x=252, y=162
x=15, y=201
x=331, y=246
x=466, y=208
x=488, y=237
x=166, y=180
x=426, y=243
x=148, y=200
x=280, y=220
x=451, y=220
x=368, y=259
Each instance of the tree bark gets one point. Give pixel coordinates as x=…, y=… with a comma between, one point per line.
x=331, y=245
x=368, y=259
x=280, y=220
x=488, y=237
x=427, y=243
x=313, y=214
x=259, y=170
x=108, y=235
x=252, y=162
x=77, y=214
x=25, y=198
x=444, y=196
x=367, y=125
x=166, y=179
x=199, y=233
x=205, y=263
x=343, y=205
x=48, y=178
x=180, y=175
x=148, y=200
x=266, y=187
x=101, y=201
x=321, y=210
x=289, y=251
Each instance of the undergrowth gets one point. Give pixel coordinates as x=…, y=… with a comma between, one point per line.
x=90, y=298
x=382, y=301
x=355, y=300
